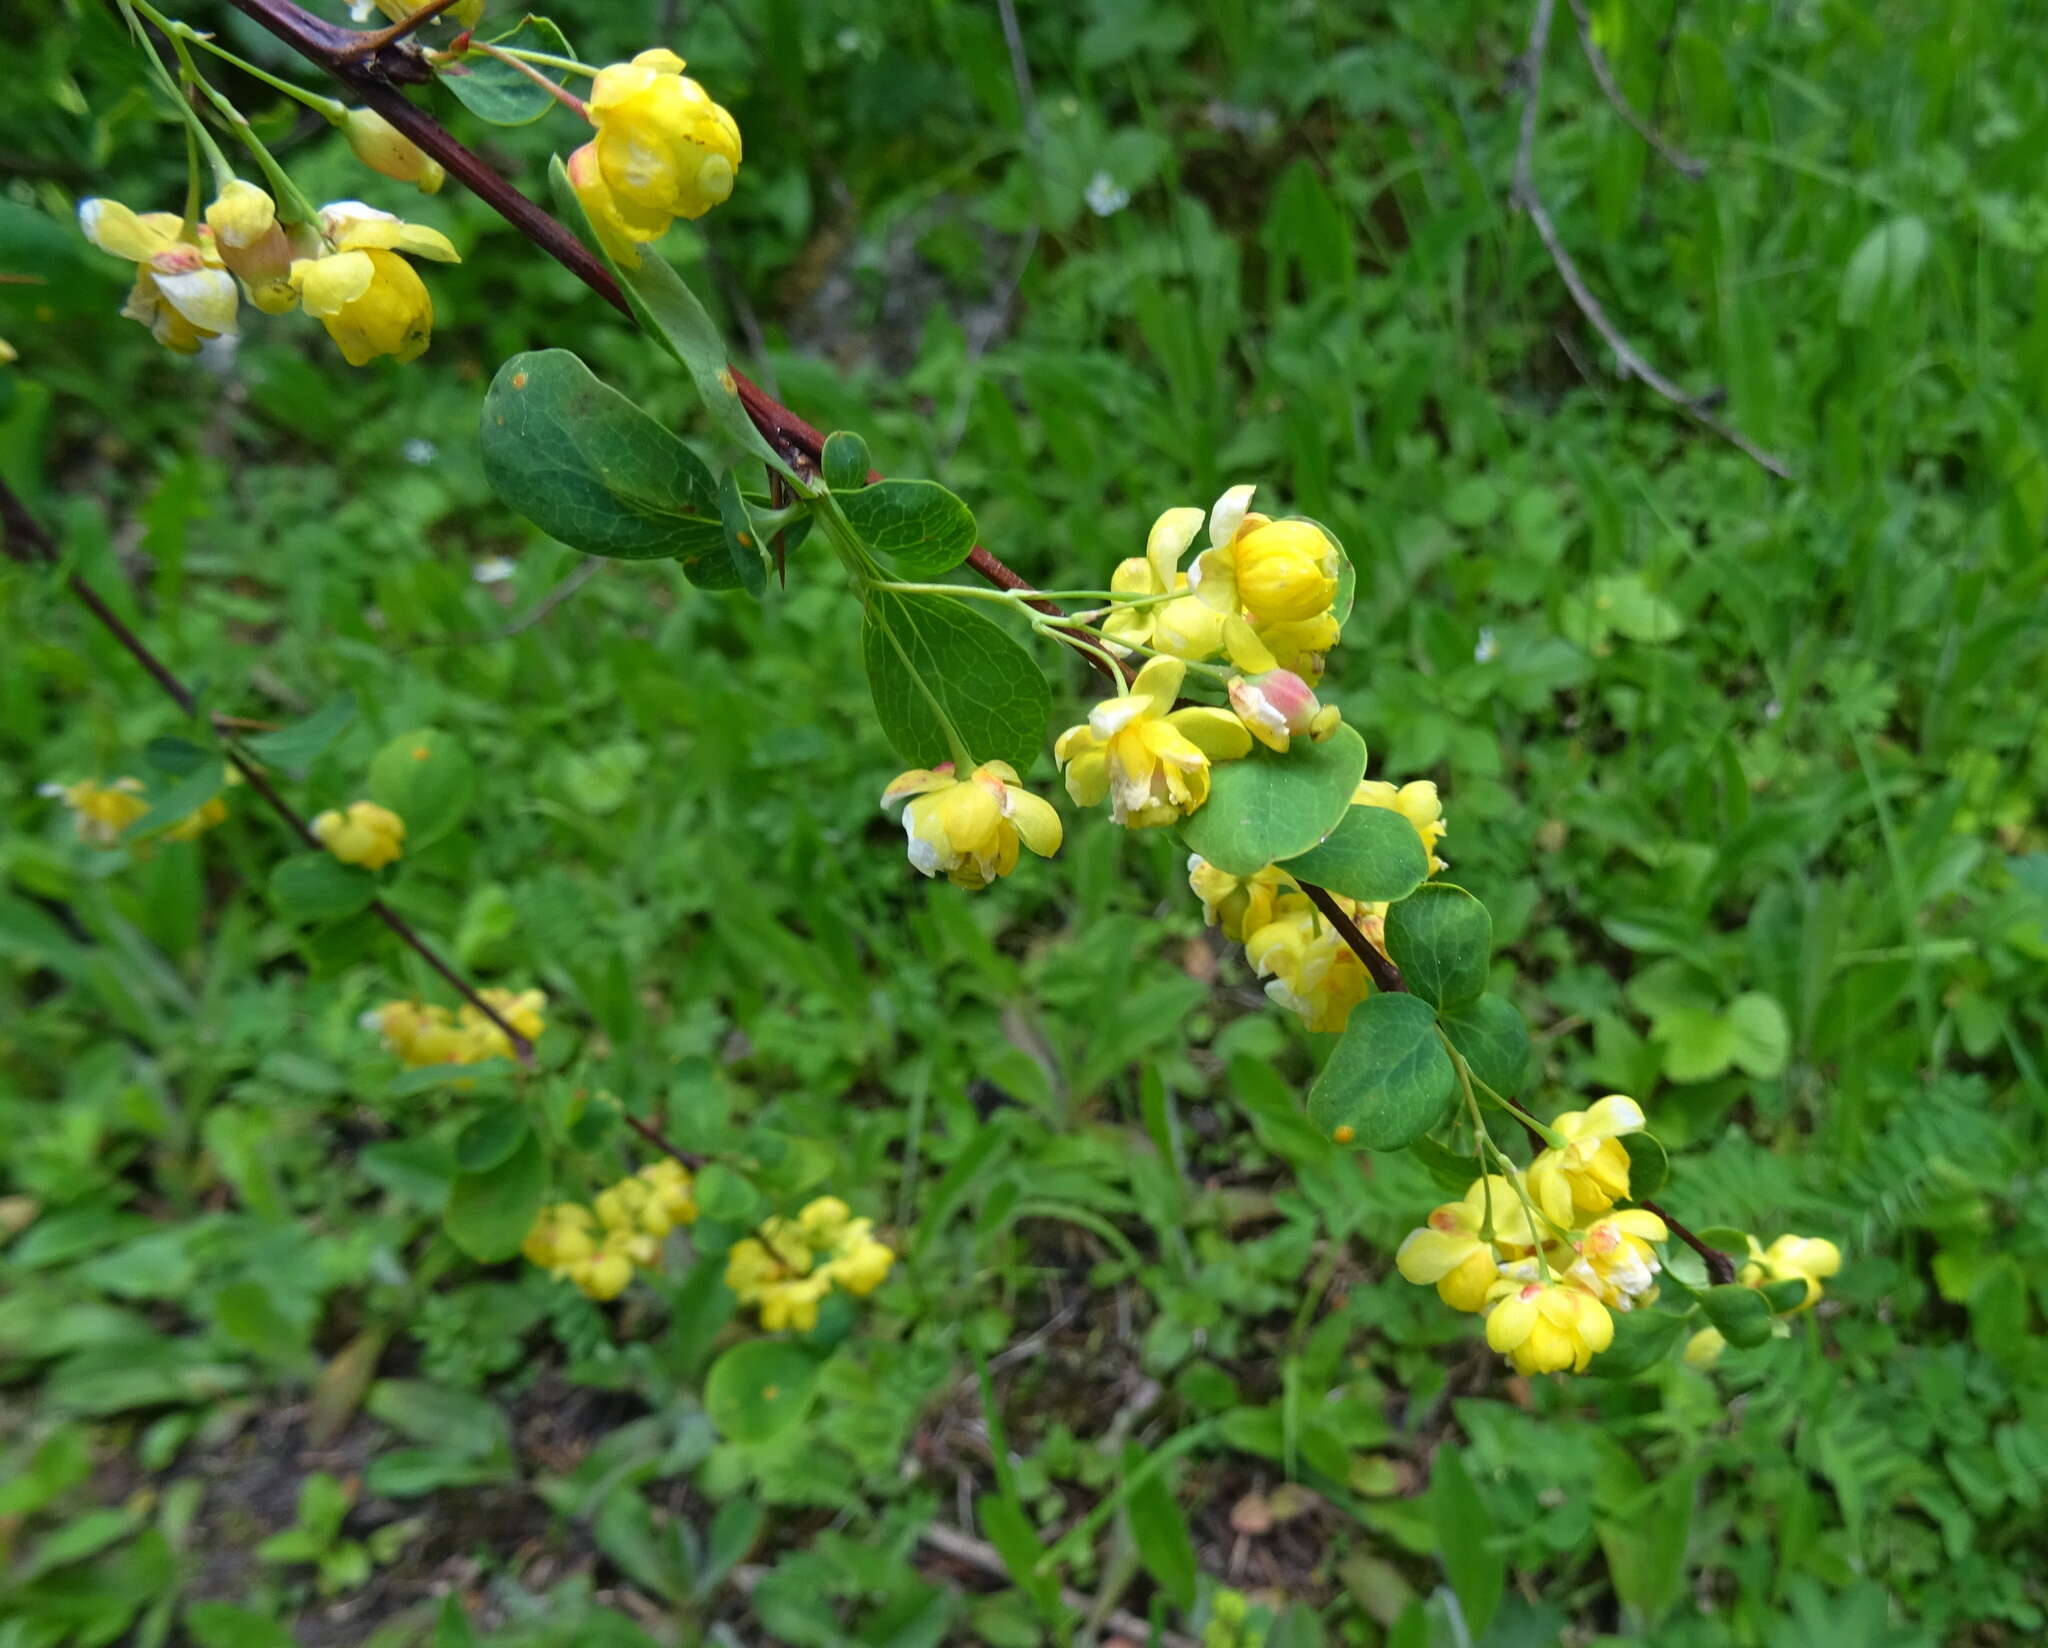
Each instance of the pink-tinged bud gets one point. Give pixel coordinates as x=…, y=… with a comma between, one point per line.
x=1277, y=705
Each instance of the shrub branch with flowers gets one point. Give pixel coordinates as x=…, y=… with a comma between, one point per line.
x=1217, y=643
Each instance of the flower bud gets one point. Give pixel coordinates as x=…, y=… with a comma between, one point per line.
x=1277, y=705
x=382, y=147
x=253, y=245
x=1286, y=572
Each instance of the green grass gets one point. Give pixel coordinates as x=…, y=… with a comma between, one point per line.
x=1706, y=740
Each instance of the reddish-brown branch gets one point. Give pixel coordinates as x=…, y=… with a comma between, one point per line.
x=1385, y=975
x=23, y=538
x=374, y=41
x=1720, y=1267
x=659, y=1140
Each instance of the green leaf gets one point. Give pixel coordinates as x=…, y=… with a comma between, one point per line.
x=1642, y=1339
x=845, y=464
x=1389, y=1079
x=177, y=756
x=1448, y=1170
x=987, y=684
x=297, y=745
x=1269, y=807
x=223, y=1625
x=1648, y=1165
x=587, y=466
x=181, y=800
x=1160, y=1532
x=743, y=551
x=1492, y=1038
x=1698, y=1044
x=427, y=779
x=758, y=1389
x=1763, y=1040
x=1741, y=1313
x=1373, y=854
x=1882, y=270
x=669, y=312
x=1441, y=937
x=246, y=1314
x=317, y=888
x=1476, y=1572
x=917, y=526
x=1632, y=609
x=1785, y=1295
x=724, y=1194
x=495, y=91
x=490, y=1138
x=489, y=1213
x=466, y=1425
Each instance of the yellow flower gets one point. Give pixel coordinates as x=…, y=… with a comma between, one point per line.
x=1189, y=628
x=604, y=1274
x=522, y=1009
x=1617, y=1262
x=1308, y=968
x=967, y=829
x=197, y=822
x=560, y=1236
x=792, y=1305
x=1811, y=1259
x=862, y=1266
x=750, y=1267
x=779, y=1271
x=663, y=146
x=1704, y=1348
x=382, y=147
x=424, y=1035
x=1449, y=1251
x=1277, y=704
x=253, y=245
x=102, y=812
x=1301, y=646
x=181, y=292
x=364, y=834
x=671, y=1197
x=1588, y=1174
x=1547, y=1327
x=369, y=298
x=1149, y=758
x=1286, y=572
x=620, y=224
x=1237, y=904
x=1417, y=802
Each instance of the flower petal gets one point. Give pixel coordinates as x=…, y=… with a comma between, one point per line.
x=1159, y=683
x=1216, y=733
x=1037, y=823
x=1168, y=541
x=1426, y=1256
x=1229, y=513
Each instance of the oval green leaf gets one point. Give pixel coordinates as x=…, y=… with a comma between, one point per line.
x=925, y=655
x=1642, y=1339
x=1493, y=1039
x=845, y=463
x=919, y=527
x=1440, y=936
x=426, y=778
x=315, y=887
x=1741, y=1313
x=1268, y=806
x=1389, y=1079
x=743, y=551
x=491, y=1138
x=587, y=466
x=296, y=746
x=494, y=90
x=757, y=1390
x=1373, y=854
x=489, y=1213
x=1648, y=1166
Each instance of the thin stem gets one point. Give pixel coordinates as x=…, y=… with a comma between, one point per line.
x=197, y=138
x=326, y=107
x=544, y=60
x=290, y=198
x=560, y=93
x=659, y=1140
x=27, y=542
x=1385, y=975
x=1720, y=1267
x=1511, y=1173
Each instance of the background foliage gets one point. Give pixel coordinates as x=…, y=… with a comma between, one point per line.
x=1747, y=771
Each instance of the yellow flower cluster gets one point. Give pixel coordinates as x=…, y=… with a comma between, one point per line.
x=423, y=1035
x=789, y=1268
x=969, y=829
x=1548, y=1287
x=362, y=833
x=1308, y=967
x=1809, y=1260
x=663, y=150
x=345, y=269
x=597, y=1247
x=1263, y=592
x=102, y=813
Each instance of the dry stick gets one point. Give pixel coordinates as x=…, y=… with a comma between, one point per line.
x=1629, y=361
x=1679, y=161
x=1720, y=1267
x=27, y=542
